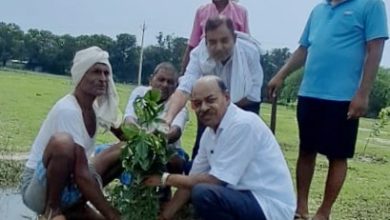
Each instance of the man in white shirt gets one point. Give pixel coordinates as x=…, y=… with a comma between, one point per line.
x=58, y=177
x=240, y=171
x=234, y=57
x=164, y=79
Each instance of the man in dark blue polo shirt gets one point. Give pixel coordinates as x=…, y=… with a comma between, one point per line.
x=340, y=48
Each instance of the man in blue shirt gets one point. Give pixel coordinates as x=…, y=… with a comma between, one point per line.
x=340, y=49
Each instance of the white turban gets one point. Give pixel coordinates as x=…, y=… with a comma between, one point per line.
x=105, y=106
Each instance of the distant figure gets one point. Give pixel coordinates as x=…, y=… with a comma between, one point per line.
x=234, y=57
x=340, y=48
x=59, y=177
x=240, y=171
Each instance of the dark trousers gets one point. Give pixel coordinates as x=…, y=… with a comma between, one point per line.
x=254, y=107
x=219, y=202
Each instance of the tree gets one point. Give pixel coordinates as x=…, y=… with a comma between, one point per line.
x=272, y=61
x=124, y=58
x=380, y=94
x=41, y=50
x=11, y=42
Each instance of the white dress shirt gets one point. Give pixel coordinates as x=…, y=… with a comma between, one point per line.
x=244, y=153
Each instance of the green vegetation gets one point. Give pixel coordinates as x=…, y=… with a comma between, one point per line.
x=145, y=154
x=25, y=99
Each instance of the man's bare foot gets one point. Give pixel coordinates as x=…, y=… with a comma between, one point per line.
x=52, y=214
x=320, y=217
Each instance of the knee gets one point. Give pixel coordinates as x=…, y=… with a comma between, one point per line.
x=175, y=165
x=61, y=145
x=201, y=195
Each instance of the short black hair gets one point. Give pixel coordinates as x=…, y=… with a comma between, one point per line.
x=217, y=21
x=222, y=86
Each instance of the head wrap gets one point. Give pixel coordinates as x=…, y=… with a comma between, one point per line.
x=105, y=106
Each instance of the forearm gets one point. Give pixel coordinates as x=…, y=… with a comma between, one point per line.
x=371, y=65
x=174, y=134
x=187, y=182
x=176, y=103
x=181, y=197
x=92, y=192
x=186, y=59
x=118, y=133
x=296, y=61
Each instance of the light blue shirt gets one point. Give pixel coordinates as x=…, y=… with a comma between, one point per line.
x=244, y=153
x=336, y=38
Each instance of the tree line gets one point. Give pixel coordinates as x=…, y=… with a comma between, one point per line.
x=41, y=50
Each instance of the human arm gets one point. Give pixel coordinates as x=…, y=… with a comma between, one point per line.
x=89, y=188
x=296, y=61
x=359, y=103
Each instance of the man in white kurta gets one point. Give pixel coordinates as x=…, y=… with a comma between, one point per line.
x=240, y=171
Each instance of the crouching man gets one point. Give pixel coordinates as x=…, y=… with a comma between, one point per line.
x=240, y=171
x=59, y=177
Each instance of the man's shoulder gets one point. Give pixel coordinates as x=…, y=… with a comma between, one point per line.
x=241, y=119
x=66, y=107
x=248, y=44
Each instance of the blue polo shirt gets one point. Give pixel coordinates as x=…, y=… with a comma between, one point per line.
x=336, y=37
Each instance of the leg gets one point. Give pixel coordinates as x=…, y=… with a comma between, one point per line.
x=59, y=161
x=252, y=107
x=107, y=163
x=218, y=202
x=304, y=175
x=334, y=182
x=82, y=212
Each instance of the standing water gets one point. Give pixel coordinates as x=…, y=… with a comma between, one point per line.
x=12, y=207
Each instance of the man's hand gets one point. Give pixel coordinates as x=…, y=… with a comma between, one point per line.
x=166, y=214
x=274, y=85
x=154, y=180
x=358, y=106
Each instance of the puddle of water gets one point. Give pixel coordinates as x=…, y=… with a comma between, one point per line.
x=12, y=207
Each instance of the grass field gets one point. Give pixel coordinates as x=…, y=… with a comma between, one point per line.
x=26, y=98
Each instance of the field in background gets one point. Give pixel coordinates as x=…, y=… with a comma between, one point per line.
x=26, y=98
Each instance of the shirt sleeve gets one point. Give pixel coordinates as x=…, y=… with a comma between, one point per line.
x=192, y=73
x=201, y=163
x=304, y=40
x=129, y=112
x=239, y=149
x=196, y=32
x=181, y=119
x=376, y=21
x=71, y=122
x=257, y=75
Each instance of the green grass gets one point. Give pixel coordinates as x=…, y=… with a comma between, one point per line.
x=26, y=98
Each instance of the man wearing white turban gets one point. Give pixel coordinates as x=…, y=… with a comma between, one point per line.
x=59, y=176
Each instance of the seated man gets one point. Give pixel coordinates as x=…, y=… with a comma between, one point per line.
x=163, y=79
x=240, y=171
x=59, y=177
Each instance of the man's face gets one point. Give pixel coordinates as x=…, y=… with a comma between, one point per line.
x=95, y=81
x=220, y=43
x=165, y=82
x=209, y=103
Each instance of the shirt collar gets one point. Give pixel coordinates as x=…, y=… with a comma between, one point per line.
x=230, y=111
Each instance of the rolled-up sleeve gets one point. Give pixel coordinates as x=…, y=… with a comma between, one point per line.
x=181, y=119
x=256, y=72
x=192, y=73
